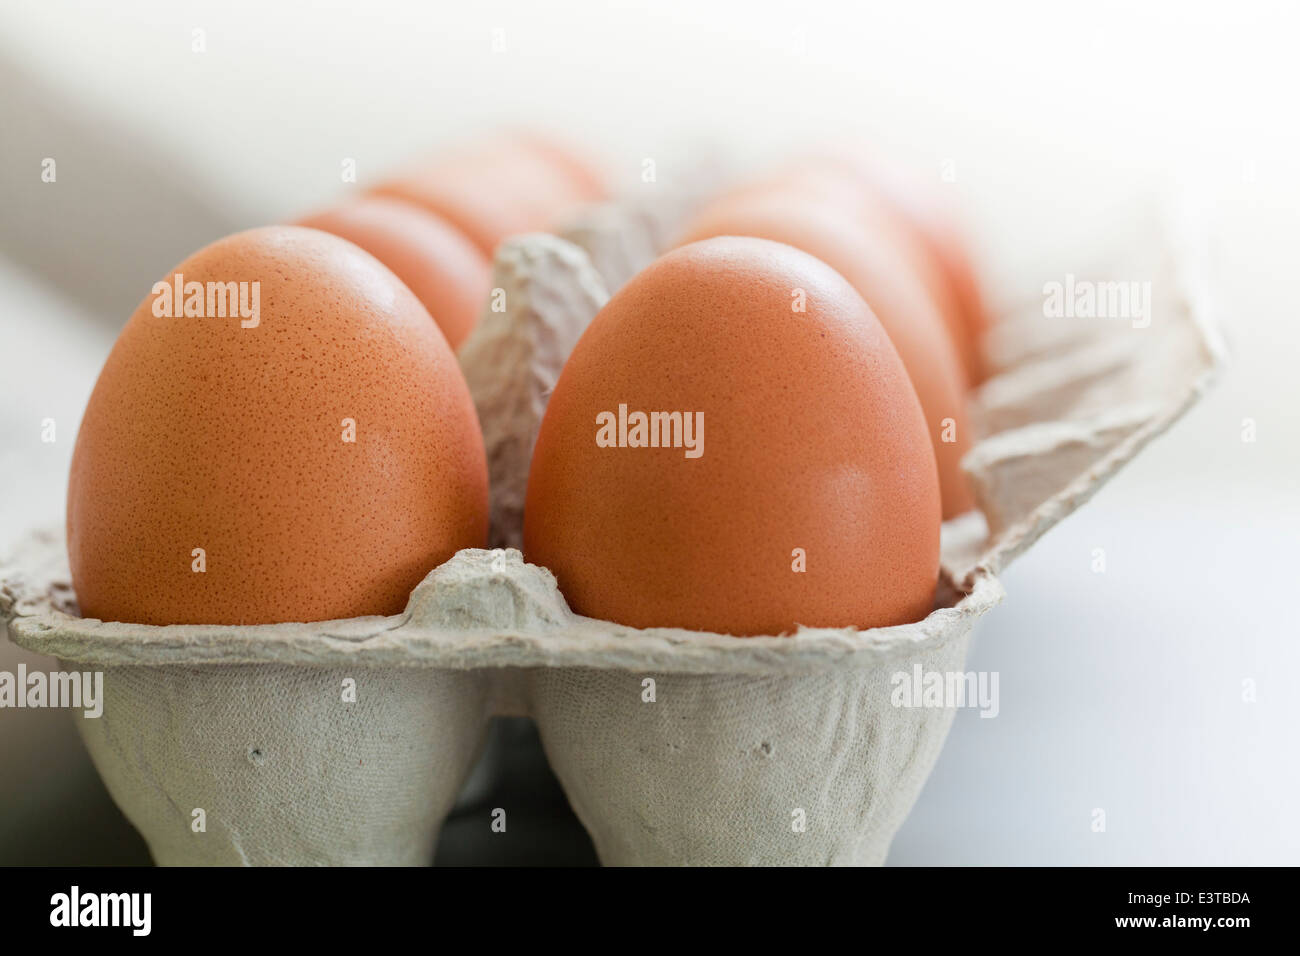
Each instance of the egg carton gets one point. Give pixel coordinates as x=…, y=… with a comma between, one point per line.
x=240, y=745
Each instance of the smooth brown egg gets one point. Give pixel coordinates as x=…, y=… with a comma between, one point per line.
x=448, y=274
x=582, y=169
x=500, y=187
x=934, y=225
x=797, y=485
x=311, y=457
x=876, y=265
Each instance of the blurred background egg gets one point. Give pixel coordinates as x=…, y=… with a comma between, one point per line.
x=501, y=186
x=448, y=273
x=935, y=224
x=578, y=163
x=824, y=221
x=814, y=499
x=312, y=463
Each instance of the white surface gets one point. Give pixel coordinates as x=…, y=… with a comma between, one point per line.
x=49, y=360
x=1124, y=691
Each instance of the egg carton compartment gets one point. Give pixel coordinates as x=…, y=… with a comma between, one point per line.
x=674, y=747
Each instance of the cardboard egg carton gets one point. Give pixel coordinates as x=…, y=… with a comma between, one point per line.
x=674, y=747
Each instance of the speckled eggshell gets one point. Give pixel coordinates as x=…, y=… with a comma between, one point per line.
x=874, y=264
x=448, y=274
x=813, y=439
x=497, y=188
x=201, y=433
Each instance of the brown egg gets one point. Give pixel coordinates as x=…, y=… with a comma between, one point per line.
x=499, y=187
x=875, y=264
x=448, y=274
x=835, y=181
x=581, y=169
x=800, y=487
x=311, y=457
x=935, y=226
